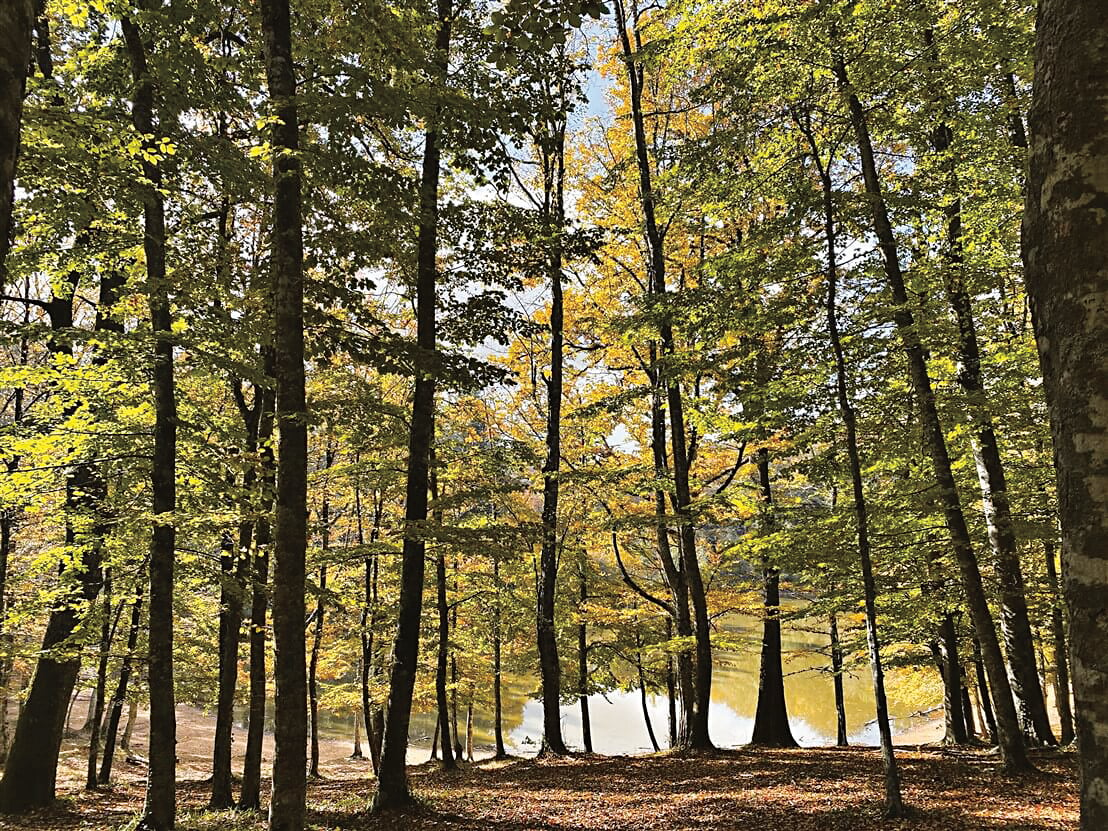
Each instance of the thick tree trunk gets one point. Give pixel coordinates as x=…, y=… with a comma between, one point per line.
x=392, y=780
x=286, y=810
x=161, y=804
x=1010, y=735
x=1058, y=636
x=771, y=717
x=1067, y=277
x=946, y=661
x=16, y=20
x=120, y=695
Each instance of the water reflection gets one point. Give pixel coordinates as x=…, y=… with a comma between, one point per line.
x=617, y=720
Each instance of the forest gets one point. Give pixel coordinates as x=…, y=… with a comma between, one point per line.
x=491, y=414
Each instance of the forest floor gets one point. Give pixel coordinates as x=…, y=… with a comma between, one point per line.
x=807, y=789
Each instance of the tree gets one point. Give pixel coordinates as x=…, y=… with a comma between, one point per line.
x=1067, y=278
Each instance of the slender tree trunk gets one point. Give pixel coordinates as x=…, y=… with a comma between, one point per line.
x=1067, y=279
x=441, y=666
x=837, y=675
x=1061, y=658
x=894, y=806
x=1010, y=735
x=132, y=717
x=370, y=662
x=96, y=708
x=671, y=690
x=771, y=717
x=16, y=20
x=250, y=796
x=469, y=728
x=583, y=660
x=643, y=697
x=967, y=706
x=313, y=673
x=356, y=753
x=698, y=736
x=497, y=697
x=983, y=687
x=1014, y=622
x=392, y=780
x=120, y=695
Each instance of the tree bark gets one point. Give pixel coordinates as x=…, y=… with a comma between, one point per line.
x=1011, y=739
x=317, y=634
x=441, y=665
x=1067, y=277
x=392, y=780
x=96, y=708
x=16, y=21
x=286, y=810
x=497, y=697
x=642, y=695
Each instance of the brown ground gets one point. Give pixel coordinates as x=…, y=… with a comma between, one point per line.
x=762, y=790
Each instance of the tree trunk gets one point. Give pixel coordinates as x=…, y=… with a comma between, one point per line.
x=894, y=806
x=1014, y=623
x=771, y=717
x=370, y=662
x=469, y=728
x=671, y=690
x=392, y=780
x=96, y=709
x=947, y=660
x=698, y=735
x=120, y=695
x=16, y=20
x=230, y=623
x=286, y=810
x=837, y=675
x=550, y=668
x=443, y=653
x=250, y=796
x=1010, y=735
x=497, y=698
x=1067, y=278
x=1061, y=658
x=313, y=671
x=583, y=660
x=642, y=696
x=356, y=753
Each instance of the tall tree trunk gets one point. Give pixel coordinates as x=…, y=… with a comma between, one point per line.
x=698, y=735
x=250, y=796
x=837, y=676
x=1058, y=636
x=161, y=804
x=1010, y=735
x=1067, y=278
x=16, y=20
x=120, y=695
x=983, y=689
x=392, y=780
x=894, y=806
x=497, y=697
x=550, y=668
x=96, y=708
x=583, y=658
x=771, y=717
x=230, y=622
x=671, y=690
x=290, y=533
x=370, y=663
